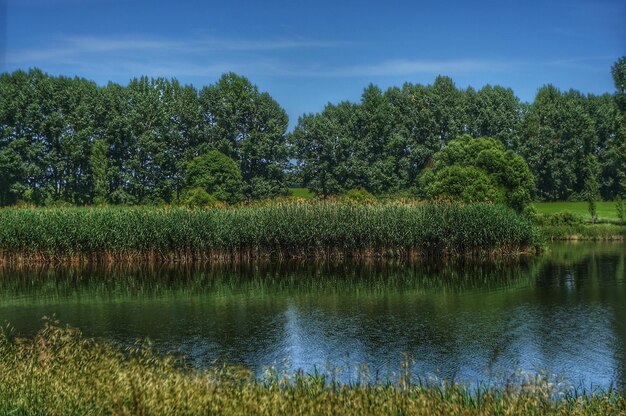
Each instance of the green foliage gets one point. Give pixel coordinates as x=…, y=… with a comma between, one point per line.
x=619, y=209
x=198, y=197
x=295, y=229
x=64, y=139
x=591, y=190
x=217, y=174
x=592, y=207
x=360, y=196
x=618, y=70
x=461, y=183
x=563, y=218
x=249, y=127
x=67, y=139
x=322, y=144
x=99, y=164
x=478, y=170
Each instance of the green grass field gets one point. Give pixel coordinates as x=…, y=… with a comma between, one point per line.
x=606, y=209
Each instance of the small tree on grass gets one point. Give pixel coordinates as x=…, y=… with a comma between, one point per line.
x=619, y=207
x=592, y=188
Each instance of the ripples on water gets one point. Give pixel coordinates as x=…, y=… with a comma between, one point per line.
x=564, y=312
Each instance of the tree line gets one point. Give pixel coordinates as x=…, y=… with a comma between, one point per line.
x=68, y=140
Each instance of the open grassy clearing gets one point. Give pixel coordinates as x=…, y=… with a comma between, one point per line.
x=303, y=193
x=606, y=209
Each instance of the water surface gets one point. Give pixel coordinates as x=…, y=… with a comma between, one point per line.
x=563, y=312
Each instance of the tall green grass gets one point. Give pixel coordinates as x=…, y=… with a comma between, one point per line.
x=279, y=229
x=61, y=372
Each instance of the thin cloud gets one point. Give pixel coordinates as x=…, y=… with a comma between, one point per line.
x=205, y=56
x=66, y=47
x=411, y=67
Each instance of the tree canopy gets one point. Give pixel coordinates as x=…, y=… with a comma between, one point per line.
x=68, y=140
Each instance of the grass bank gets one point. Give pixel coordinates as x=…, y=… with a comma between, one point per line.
x=271, y=230
x=605, y=232
x=606, y=210
x=49, y=374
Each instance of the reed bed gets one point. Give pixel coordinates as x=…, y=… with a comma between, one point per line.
x=61, y=372
x=272, y=230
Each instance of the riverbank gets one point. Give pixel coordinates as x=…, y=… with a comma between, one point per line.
x=275, y=230
x=590, y=232
x=48, y=374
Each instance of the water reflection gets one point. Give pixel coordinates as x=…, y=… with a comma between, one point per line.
x=564, y=312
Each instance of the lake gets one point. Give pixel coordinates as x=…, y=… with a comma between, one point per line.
x=563, y=312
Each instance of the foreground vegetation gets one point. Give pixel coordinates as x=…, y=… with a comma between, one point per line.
x=274, y=229
x=49, y=374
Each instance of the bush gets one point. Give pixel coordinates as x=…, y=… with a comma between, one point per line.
x=477, y=170
x=563, y=218
x=217, y=174
x=198, y=197
x=360, y=195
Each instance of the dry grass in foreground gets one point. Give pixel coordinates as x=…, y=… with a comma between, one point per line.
x=61, y=372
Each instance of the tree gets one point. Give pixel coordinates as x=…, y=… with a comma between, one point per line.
x=610, y=151
x=619, y=146
x=99, y=164
x=493, y=112
x=217, y=174
x=557, y=135
x=249, y=127
x=324, y=147
x=473, y=170
x=592, y=188
x=618, y=70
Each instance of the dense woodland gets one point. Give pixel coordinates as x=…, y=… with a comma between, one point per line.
x=68, y=140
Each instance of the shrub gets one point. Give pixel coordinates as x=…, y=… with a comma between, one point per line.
x=563, y=218
x=360, y=195
x=198, y=197
x=217, y=174
x=476, y=170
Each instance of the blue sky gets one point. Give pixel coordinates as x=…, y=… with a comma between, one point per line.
x=306, y=54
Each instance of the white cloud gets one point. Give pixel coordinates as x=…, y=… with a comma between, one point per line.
x=66, y=47
x=410, y=67
x=205, y=56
